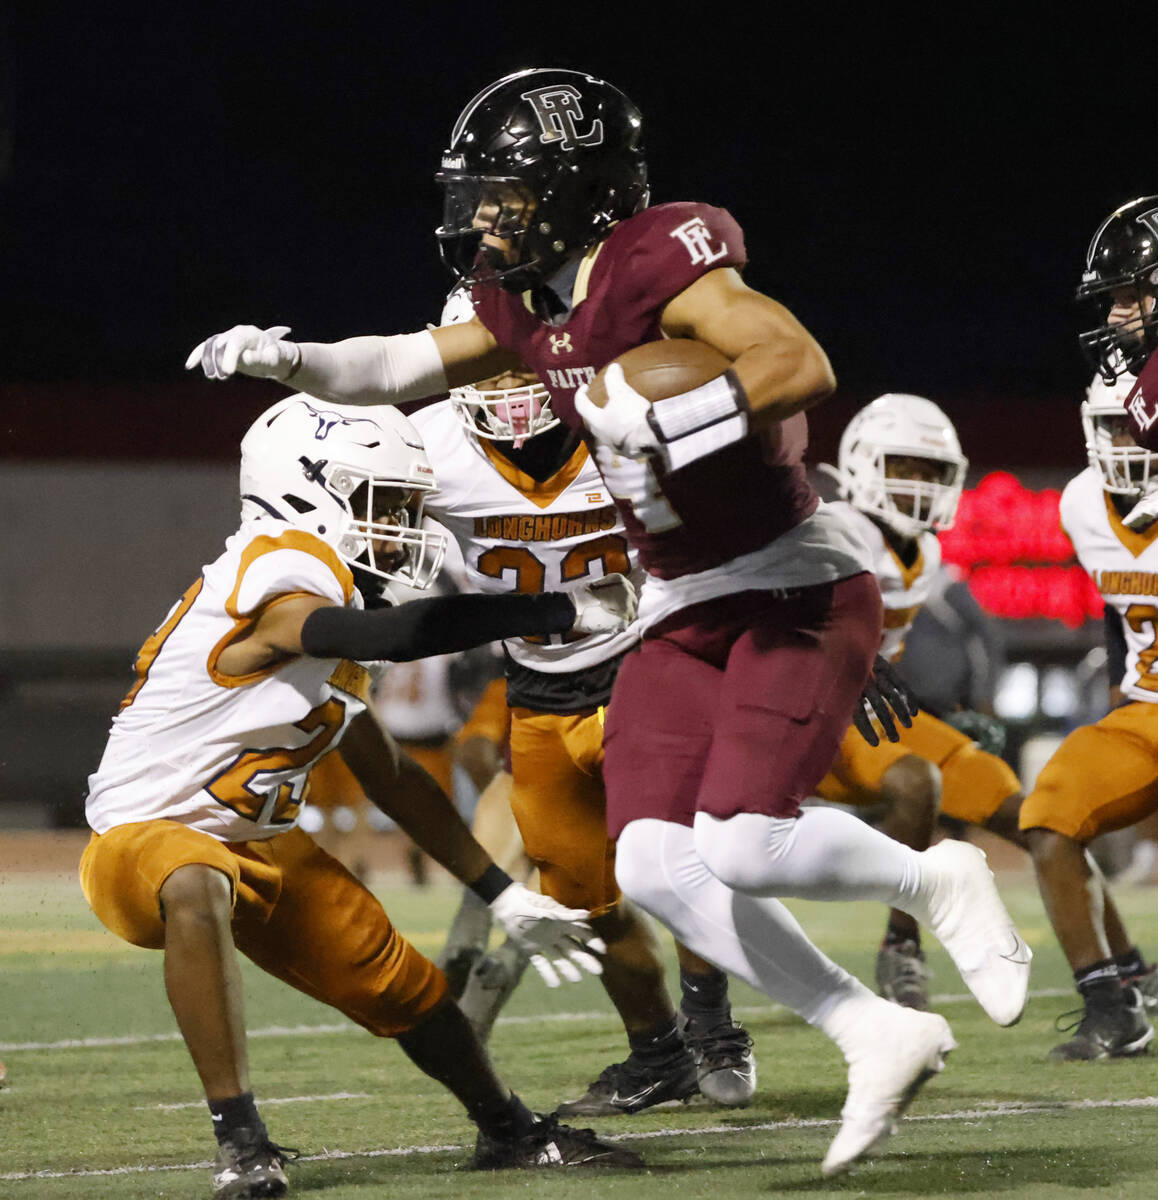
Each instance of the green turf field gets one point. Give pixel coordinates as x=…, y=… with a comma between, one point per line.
x=102, y=1101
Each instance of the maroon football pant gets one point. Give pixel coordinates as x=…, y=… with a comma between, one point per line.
x=739, y=704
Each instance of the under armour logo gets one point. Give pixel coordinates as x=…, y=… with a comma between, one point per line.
x=697, y=238
x=559, y=112
x=1140, y=411
x=560, y=343
x=328, y=420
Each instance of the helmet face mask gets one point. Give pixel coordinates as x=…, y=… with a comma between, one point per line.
x=1118, y=290
x=484, y=222
x=512, y=407
x=1127, y=469
x=504, y=414
x=542, y=162
x=355, y=477
x=901, y=463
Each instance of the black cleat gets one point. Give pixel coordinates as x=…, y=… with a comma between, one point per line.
x=1116, y=1030
x=248, y=1164
x=902, y=976
x=629, y=1087
x=722, y=1051
x=551, y=1144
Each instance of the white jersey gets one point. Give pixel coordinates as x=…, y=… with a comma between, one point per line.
x=416, y=700
x=223, y=754
x=518, y=535
x=1124, y=567
x=903, y=589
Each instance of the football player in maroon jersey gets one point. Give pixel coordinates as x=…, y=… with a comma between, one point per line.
x=761, y=615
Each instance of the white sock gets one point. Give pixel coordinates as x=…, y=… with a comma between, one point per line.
x=752, y=937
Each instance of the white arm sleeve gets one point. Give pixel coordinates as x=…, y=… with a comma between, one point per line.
x=371, y=370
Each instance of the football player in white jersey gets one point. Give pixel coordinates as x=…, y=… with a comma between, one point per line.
x=529, y=510
x=900, y=473
x=251, y=678
x=1105, y=776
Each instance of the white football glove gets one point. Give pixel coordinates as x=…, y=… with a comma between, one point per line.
x=622, y=422
x=1144, y=513
x=558, y=940
x=248, y=350
x=605, y=605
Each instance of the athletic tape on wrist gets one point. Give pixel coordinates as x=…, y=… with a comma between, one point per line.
x=705, y=441
x=493, y=881
x=710, y=403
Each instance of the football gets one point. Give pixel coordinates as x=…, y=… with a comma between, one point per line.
x=665, y=368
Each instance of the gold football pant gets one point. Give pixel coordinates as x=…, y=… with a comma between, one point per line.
x=1101, y=778
x=297, y=913
x=560, y=805
x=974, y=784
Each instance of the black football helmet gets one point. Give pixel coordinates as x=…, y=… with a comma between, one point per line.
x=1121, y=273
x=546, y=160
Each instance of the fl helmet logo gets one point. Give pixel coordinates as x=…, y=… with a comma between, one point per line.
x=560, y=114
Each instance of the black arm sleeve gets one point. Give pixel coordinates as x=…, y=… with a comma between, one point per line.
x=1115, y=646
x=440, y=625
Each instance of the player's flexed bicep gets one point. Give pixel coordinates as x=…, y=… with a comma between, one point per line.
x=777, y=371
x=778, y=364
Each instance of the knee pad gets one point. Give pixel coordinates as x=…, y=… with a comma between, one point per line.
x=742, y=851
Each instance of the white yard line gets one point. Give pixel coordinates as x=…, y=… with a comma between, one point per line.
x=1002, y=1109
x=273, y=1031
x=264, y=1103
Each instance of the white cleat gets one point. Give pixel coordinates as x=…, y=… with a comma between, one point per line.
x=899, y=1050
x=967, y=916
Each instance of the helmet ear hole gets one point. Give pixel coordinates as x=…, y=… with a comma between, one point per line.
x=297, y=503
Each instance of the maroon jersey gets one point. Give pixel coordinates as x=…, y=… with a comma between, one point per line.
x=726, y=504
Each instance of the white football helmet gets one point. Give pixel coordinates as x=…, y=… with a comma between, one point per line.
x=497, y=414
x=1127, y=469
x=355, y=476
x=896, y=426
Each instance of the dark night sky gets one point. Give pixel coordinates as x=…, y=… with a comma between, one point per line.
x=918, y=189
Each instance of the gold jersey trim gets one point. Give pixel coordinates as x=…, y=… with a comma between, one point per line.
x=1132, y=540
x=291, y=539
x=909, y=575
x=541, y=494
x=241, y=627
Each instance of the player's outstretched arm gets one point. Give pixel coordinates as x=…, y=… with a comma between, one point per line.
x=447, y=624
x=358, y=370
x=558, y=939
x=314, y=625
